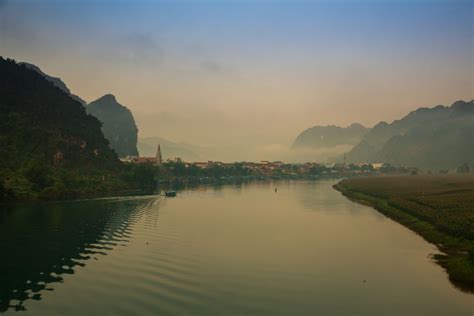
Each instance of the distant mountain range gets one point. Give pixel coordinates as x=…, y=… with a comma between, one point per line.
x=325, y=143
x=329, y=136
x=441, y=137
x=119, y=126
x=430, y=138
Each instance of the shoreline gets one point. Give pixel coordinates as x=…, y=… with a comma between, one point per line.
x=454, y=258
x=163, y=183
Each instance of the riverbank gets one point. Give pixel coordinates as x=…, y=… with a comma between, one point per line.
x=438, y=208
x=299, y=250
x=44, y=183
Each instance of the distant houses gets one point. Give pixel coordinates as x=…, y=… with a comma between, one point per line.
x=274, y=168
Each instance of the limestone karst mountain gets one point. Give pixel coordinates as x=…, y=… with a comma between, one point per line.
x=329, y=136
x=43, y=124
x=441, y=137
x=118, y=124
x=55, y=80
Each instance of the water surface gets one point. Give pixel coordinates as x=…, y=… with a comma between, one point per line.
x=231, y=250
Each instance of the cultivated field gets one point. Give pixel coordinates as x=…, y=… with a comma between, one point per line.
x=438, y=207
x=447, y=201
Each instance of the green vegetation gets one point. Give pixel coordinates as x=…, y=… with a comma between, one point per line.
x=50, y=148
x=439, y=208
x=39, y=181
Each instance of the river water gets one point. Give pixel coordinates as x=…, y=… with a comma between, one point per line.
x=231, y=250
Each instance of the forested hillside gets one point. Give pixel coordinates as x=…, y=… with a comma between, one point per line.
x=48, y=143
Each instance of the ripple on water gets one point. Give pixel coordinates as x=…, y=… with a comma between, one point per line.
x=44, y=242
x=237, y=251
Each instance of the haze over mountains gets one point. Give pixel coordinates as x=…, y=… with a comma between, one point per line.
x=429, y=138
x=118, y=123
x=441, y=137
x=247, y=79
x=325, y=143
x=330, y=136
x=147, y=148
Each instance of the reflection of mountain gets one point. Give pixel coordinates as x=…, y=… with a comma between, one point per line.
x=40, y=243
x=147, y=148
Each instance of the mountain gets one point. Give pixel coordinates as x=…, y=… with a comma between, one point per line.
x=55, y=80
x=41, y=123
x=329, y=136
x=51, y=148
x=325, y=143
x=441, y=137
x=147, y=148
x=118, y=124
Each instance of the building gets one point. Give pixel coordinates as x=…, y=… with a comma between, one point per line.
x=157, y=160
x=201, y=165
x=143, y=160
x=174, y=159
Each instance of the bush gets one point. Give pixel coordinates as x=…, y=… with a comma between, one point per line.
x=56, y=192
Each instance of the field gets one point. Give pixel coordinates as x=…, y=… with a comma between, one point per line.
x=439, y=208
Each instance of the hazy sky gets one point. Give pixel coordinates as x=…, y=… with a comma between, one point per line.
x=249, y=72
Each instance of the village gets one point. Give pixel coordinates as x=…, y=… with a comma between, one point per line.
x=264, y=168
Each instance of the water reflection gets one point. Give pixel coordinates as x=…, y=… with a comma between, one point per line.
x=41, y=243
x=237, y=249
x=215, y=185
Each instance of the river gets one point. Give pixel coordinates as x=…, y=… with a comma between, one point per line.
x=240, y=249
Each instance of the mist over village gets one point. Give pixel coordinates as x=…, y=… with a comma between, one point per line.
x=242, y=157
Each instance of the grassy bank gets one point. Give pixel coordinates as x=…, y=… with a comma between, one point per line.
x=438, y=208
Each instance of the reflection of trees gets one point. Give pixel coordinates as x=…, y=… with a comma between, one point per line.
x=207, y=185
x=40, y=243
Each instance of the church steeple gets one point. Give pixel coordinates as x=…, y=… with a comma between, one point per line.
x=159, y=158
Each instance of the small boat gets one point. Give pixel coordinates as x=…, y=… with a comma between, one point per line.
x=170, y=193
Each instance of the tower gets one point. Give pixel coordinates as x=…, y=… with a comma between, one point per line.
x=159, y=159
